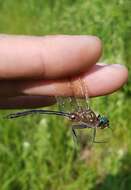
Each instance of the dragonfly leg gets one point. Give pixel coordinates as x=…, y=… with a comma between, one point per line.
x=94, y=135
x=74, y=132
x=75, y=139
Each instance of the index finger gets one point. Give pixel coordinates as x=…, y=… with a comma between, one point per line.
x=47, y=57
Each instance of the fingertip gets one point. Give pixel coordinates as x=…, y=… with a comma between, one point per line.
x=71, y=55
x=105, y=79
x=122, y=71
x=96, y=46
x=92, y=51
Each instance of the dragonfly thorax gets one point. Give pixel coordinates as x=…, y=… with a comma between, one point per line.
x=86, y=116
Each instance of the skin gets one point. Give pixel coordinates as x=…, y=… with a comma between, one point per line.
x=35, y=69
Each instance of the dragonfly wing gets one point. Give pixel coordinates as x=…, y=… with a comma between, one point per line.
x=73, y=103
x=86, y=138
x=82, y=101
x=66, y=104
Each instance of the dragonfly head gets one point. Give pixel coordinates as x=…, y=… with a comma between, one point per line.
x=103, y=122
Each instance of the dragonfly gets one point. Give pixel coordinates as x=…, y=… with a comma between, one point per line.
x=81, y=116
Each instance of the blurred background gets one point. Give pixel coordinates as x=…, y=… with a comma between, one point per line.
x=37, y=153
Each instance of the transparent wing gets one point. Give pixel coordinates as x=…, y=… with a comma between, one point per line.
x=89, y=134
x=73, y=103
x=66, y=104
x=84, y=101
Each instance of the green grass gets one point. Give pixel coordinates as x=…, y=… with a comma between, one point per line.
x=38, y=153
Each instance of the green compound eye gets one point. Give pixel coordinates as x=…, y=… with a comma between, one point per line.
x=103, y=121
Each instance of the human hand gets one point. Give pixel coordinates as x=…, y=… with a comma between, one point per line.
x=35, y=69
